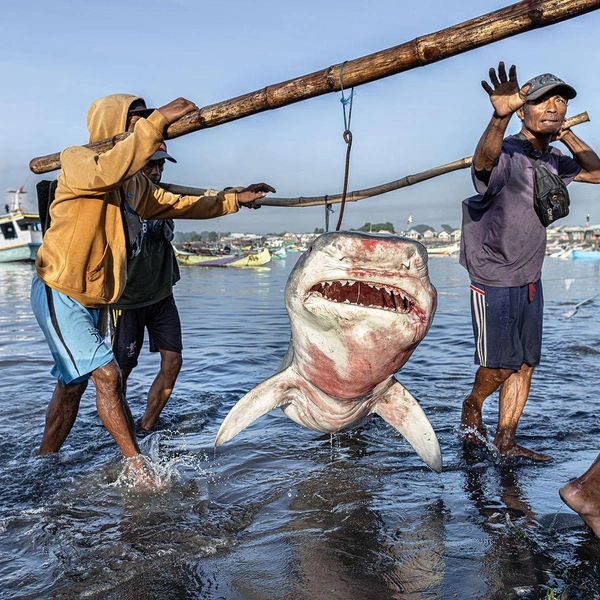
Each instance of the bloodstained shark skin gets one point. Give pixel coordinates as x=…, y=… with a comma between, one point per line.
x=359, y=304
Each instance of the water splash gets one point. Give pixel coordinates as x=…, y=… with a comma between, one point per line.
x=157, y=470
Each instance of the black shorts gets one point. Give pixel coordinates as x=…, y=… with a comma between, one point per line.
x=164, y=331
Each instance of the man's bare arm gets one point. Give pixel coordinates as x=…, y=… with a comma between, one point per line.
x=584, y=156
x=506, y=98
x=490, y=144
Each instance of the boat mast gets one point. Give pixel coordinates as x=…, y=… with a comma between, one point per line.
x=16, y=201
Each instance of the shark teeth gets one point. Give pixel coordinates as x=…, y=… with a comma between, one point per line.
x=362, y=293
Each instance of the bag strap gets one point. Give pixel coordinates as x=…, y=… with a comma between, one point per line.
x=133, y=226
x=527, y=146
x=46, y=190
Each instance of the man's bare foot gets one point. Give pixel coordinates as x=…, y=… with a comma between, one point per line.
x=575, y=495
x=140, y=472
x=514, y=450
x=471, y=423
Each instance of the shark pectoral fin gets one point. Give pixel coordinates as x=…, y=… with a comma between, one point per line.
x=258, y=401
x=401, y=410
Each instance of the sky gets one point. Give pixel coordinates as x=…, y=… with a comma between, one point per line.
x=58, y=57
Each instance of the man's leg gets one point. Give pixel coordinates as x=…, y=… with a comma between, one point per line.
x=127, y=340
x=125, y=373
x=513, y=396
x=164, y=332
x=113, y=409
x=60, y=415
x=583, y=496
x=162, y=387
x=487, y=381
x=117, y=418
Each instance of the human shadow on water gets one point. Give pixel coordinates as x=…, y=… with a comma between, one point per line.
x=509, y=565
x=511, y=502
x=522, y=555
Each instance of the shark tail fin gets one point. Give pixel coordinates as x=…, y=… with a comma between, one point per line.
x=400, y=409
x=258, y=401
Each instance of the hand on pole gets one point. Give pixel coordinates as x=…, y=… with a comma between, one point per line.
x=176, y=109
x=255, y=191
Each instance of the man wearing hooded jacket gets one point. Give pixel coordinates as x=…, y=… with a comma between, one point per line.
x=81, y=265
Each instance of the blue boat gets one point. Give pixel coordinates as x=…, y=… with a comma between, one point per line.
x=585, y=254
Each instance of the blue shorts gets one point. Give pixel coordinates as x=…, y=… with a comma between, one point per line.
x=71, y=330
x=507, y=325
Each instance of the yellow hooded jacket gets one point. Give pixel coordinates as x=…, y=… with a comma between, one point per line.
x=84, y=254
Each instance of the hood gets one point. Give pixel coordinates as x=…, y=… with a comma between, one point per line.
x=108, y=116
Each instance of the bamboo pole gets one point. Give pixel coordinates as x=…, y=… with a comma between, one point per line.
x=475, y=33
x=462, y=163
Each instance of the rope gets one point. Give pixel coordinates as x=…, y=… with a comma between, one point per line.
x=328, y=211
x=348, y=139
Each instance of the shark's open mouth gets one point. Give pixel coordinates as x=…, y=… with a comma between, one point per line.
x=362, y=293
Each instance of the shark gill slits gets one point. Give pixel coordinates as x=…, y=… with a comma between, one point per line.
x=362, y=293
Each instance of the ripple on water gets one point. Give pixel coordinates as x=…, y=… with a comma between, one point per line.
x=283, y=512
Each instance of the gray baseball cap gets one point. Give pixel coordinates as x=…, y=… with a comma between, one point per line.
x=162, y=154
x=542, y=84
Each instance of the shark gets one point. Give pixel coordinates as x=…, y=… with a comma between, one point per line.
x=358, y=304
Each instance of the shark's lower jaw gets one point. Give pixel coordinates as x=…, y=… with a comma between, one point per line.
x=365, y=294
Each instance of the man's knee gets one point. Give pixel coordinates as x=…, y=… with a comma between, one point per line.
x=73, y=388
x=171, y=363
x=71, y=392
x=107, y=375
x=496, y=376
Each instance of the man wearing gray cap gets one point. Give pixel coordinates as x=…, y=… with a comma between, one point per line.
x=504, y=243
x=148, y=303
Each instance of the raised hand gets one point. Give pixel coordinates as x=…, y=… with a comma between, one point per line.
x=505, y=95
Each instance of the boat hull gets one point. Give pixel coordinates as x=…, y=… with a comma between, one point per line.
x=20, y=236
x=443, y=250
x=23, y=253
x=585, y=254
x=251, y=260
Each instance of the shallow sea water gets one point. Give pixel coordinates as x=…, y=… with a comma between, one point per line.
x=280, y=512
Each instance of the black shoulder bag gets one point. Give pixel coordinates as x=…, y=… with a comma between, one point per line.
x=550, y=195
x=132, y=225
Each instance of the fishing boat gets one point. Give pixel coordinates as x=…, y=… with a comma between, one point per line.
x=279, y=254
x=563, y=253
x=585, y=254
x=296, y=248
x=443, y=250
x=20, y=232
x=206, y=258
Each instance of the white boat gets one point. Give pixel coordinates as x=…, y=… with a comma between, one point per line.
x=563, y=253
x=20, y=232
x=443, y=250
